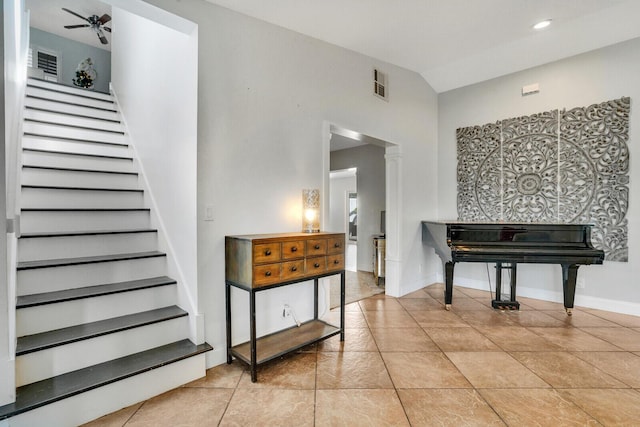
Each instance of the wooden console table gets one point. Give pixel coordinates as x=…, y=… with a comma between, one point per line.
x=260, y=262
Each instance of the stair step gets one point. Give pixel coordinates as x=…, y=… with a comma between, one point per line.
x=84, y=209
x=67, y=153
x=54, y=168
x=64, y=88
x=67, y=107
x=48, y=263
x=73, y=126
x=71, y=139
x=67, y=113
x=84, y=233
x=69, y=98
x=78, y=132
x=67, y=176
x=59, y=187
x=54, y=389
x=91, y=291
x=37, y=342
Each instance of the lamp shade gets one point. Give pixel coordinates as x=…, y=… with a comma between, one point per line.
x=311, y=211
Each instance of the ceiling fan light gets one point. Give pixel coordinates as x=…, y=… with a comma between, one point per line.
x=542, y=24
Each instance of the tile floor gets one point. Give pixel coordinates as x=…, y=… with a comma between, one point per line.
x=407, y=361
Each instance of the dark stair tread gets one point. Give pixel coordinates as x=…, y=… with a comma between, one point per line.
x=70, y=153
x=45, y=234
x=41, y=393
x=61, y=187
x=45, y=298
x=57, y=337
x=80, y=95
x=67, y=138
x=66, y=113
x=45, y=122
x=31, y=80
x=56, y=168
x=42, y=98
x=46, y=263
x=83, y=209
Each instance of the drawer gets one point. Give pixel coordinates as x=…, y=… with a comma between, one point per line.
x=292, y=270
x=267, y=252
x=316, y=247
x=316, y=265
x=335, y=262
x=335, y=245
x=267, y=274
x=293, y=249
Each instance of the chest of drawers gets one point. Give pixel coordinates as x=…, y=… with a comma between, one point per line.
x=259, y=262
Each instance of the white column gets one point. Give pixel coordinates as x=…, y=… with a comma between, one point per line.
x=393, y=260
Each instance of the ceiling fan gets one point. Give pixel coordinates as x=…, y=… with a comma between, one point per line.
x=94, y=22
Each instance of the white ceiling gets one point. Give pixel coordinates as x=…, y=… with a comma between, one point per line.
x=454, y=43
x=47, y=15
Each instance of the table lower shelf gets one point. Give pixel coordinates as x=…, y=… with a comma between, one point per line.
x=277, y=344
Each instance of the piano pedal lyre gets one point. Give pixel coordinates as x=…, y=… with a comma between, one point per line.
x=505, y=305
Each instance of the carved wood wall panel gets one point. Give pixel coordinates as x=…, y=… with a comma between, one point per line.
x=567, y=166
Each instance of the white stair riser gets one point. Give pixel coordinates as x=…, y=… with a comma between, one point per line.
x=69, y=89
x=41, y=280
x=53, y=198
x=70, y=146
x=69, y=108
x=72, y=120
x=33, y=222
x=79, y=100
x=69, y=132
x=31, y=249
x=79, y=162
x=95, y=403
x=58, y=360
x=32, y=176
x=42, y=318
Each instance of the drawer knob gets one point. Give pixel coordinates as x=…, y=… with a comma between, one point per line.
x=267, y=252
x=336, y=245
x=316, y=265
x=294, y=268
x=294, y=249
x=335, y=261
x=317, y=246
x=267, y=273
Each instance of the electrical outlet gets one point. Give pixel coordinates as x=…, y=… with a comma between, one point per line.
x=286, y=310
x=208, y=213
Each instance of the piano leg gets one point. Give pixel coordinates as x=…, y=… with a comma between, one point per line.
x=448, y=284
x=569, y=276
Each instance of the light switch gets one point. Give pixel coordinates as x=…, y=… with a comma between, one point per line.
x=208, y=213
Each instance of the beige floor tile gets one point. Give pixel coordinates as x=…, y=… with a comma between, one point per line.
x=447, y=407
x=354, y=340
x=359, y=408
x=115, y=419
x=351, y=370
x=494, y=369
x=625, y=338
x=403, y=339
x=221, y=376
x=517, y=338
x=573, y=339
x=619, y=318
x=438, y=319
x=423, y=370
x=471, y=304
x=488, y=318
x=206, y=407
x=293, y=371
x=380, y=304
x=389, y=319
x=536, y=407
x=352, y=307
x=610, y=407
x=621, y=365
x=352, y=319
x=475, y=293
x=564, y=370
x=420, y=293
x=460, y=339
x=537, y=304
x=270, y=407
x=580, y=319
x=421, y=304
x=534, y=319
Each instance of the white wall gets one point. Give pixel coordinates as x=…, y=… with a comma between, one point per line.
x=593, y=77
x=369, y=160
x=154, y=75
x=265, y=96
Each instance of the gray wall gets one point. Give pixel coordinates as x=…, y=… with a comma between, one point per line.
x=72, y=53
x=369, y=159
x=593, y=77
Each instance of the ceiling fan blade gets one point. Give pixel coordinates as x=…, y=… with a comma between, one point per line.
x=77, y=26
x=101, y=36
x=73, y=13
x=107, y=29
x=104, y=19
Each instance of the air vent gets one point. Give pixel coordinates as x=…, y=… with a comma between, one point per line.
x=46, y=61
x=380, y=84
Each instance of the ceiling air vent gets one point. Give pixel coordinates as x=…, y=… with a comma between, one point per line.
x=380, y=84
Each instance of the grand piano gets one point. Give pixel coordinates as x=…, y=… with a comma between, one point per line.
x=506, y=245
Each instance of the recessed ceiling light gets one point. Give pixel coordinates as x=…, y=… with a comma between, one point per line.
x=542, y=24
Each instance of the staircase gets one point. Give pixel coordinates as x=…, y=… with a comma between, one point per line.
x=96, y=317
